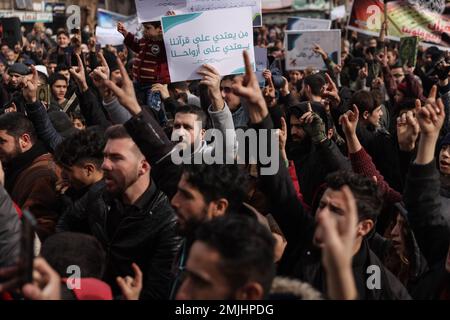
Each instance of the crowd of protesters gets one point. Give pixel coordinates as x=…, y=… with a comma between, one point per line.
x=358, y=208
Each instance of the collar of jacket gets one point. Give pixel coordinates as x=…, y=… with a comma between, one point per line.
x=142, y=203
x=21, y=162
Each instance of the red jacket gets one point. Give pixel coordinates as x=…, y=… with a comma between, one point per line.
x=150, y=65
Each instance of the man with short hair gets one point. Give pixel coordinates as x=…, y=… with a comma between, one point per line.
x=80, y=157
x=238, y=110
x=231, y=259
x=30, y=171
x=179, y=89
x=132, y=218
x=58, y=88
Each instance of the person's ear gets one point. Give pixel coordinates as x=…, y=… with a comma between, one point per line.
x=217, y=208
x=250, y=291
x=25, y=141
x=364, y=227
x=365, y=115
x=202, y=134
x=89, y=169
x=145, y=167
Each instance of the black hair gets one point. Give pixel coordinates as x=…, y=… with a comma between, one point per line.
x=155, y=24
x=16, y=124
x=181, y=85
x=81, y=147
x=65, y=249
x=229, y=77
x=246, y=249
x=364, y=100
x=192, y=109
x=75, y=115
x=218, y=181
x=61, y=67
x=315, y=82
x=62, y=31
x=117, y=131
x=367, y=195
x=55, y=77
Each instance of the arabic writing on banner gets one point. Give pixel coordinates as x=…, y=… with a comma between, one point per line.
x=205, y=5
x=300, y=54
x=260, y=64
x=412, y=18
x=195, y=39
x=300, y=23
x=153, y=10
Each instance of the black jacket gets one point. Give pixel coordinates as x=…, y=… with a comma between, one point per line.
x=143, y=233
x=314, y=163
x=301, y=259
x=431, y=229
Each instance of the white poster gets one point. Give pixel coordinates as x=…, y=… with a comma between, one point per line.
x=260, y=64
x=204, y=5
x=108, y=36
x=300, y=44
x=195, y=39
x=153, y=10
x=338, y=13
x=300, y=23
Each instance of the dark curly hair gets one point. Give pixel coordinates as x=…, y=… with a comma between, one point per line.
x=82, y=146
x=367, y=195
x=217, y=181
x=245, y=246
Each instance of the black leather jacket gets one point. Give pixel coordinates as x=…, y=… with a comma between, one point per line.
x=143, y=233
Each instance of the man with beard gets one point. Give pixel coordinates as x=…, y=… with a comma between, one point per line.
x=132, y=218
x=17, y=73
x=231, y=259
x=354, y=75
x=203, y=193
x=30, y=172
x=314, y=155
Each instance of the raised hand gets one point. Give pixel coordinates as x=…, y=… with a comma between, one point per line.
x=338, y=246
x=162, y=89
x=46, y=282
x=318, y=49
x=431, y=118
x=349, y=122
x=211, y=79
x=121, y=28
x=100, y=75
x=284, y=90
x=331, y=91
x=131, y=287
x=364, y=72
x=247, y=87
x=408, y=129
x=267, y=74
x=79, y=75
x=30, y=86
x=125, y=94
x=269, y=92
x=313, y=125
